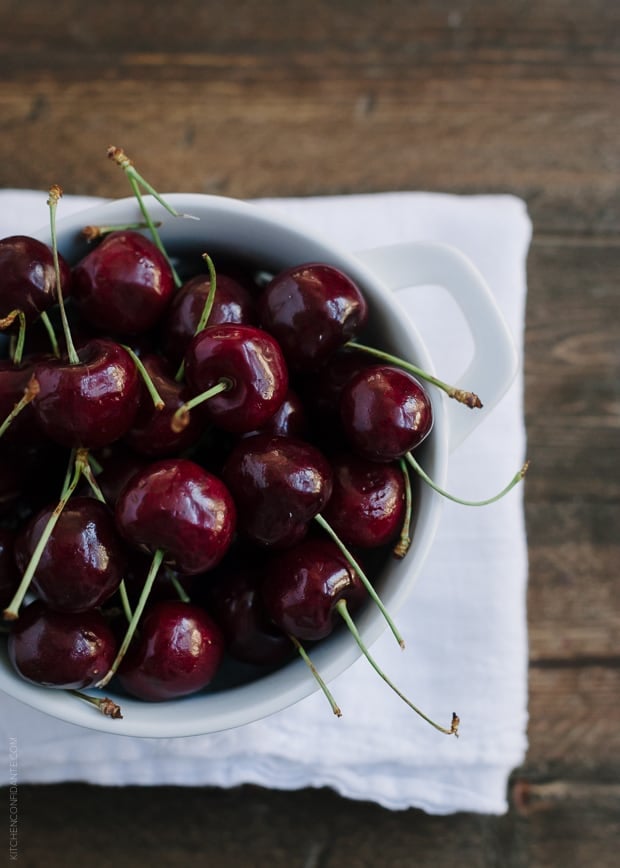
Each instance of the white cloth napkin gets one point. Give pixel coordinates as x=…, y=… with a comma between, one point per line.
x=466, y=619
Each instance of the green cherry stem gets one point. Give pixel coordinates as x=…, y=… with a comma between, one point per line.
x=49, y=328
x=30, y=392
x=103, y=704
x=153, y=230
x=364, y=578
x=131, y=629
x=180, y=590
x=148, y=382
x=12, y=610
x=91, y=233
x=423, y=475
x=18, y=349
x=55, y=194
x=206, y=311
x=180, y=420
x=121, y=159
x=315, y=674
x=404, y=541
x=341, y=606
x=470, y=399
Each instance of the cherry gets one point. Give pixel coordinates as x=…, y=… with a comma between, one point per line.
x=312, y=310
x=118, y=466
x=251, y=636
x=169, y=583
x=279, y=484
x=289, y=420
x=175, y=506
x=152, y=433
x=14, y=381
x=385, y=412
x=303, y=585
x=232, y=304
x=367, y=506
x=248, y=363
x=27, y=276
x=177, y=653
x=9, y=577
x=124, y=285
x=321, y=390
x=89, y=404
x=83, y=561
x=61, y=649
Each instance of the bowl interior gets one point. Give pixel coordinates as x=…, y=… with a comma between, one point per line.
x=231, y=228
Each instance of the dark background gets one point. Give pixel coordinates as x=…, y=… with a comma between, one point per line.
x=275, y=98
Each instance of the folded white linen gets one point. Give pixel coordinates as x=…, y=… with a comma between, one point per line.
x=465, y=622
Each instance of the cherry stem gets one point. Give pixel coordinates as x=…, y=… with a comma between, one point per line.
x=180, y=420
x=470, y=399
x=89, y=476
x=103, y=704
x=316, y=675
x=341, y=606
x=206, y=311
x=404, y=542
x=30, y=392
x=364, y=578
x=131, y=629
x=181, y=592
x=148, y=382
x=121, y=159
x=18, y=350
x=91, y=233
x=49, y=328
x=122, y=590
x=423, y=475
x=54, y=195
x=12, y=610
x=153, y=230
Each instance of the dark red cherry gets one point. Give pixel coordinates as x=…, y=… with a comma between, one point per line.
x=251, y=636
x=367, y=506
x=312, y=310
x=89, y=404
x=152, y=433
x=13, y=382
x=279, y=484
x=289, y=420
x=119, y=465
x=175, y=505
x=28, y=278
x=83, y=561
x=251, y=362
x=164, y=588
x=124, y=285
x=303, y=584
x=385, y=413
x=322, y=389
x=178, y=651
x=9, y=576
x=232, y=304
x=61, y=649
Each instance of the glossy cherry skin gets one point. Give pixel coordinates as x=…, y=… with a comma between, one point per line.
x=303, y=584
x=289, y=420
x=61, y=649
x=251, y=361
x=152, y=433
x=119, y=466
x=279, y=484
x=232, y=304
x=178, y=651
x=312, y=310
x=367, y=505
x=175, y=505
x=9, y=576
x=84, y=560
x=124, y=285
x=251, y=637
x=28, y=278
x=385, y=413
x=90, y=404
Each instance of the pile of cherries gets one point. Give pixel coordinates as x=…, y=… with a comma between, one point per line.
x=193, y=467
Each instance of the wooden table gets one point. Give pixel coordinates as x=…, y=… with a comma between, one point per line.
x=276, y=98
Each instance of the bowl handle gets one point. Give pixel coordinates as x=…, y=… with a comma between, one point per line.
x=495, y=361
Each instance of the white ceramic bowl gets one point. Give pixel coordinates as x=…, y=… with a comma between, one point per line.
x=228, y=226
